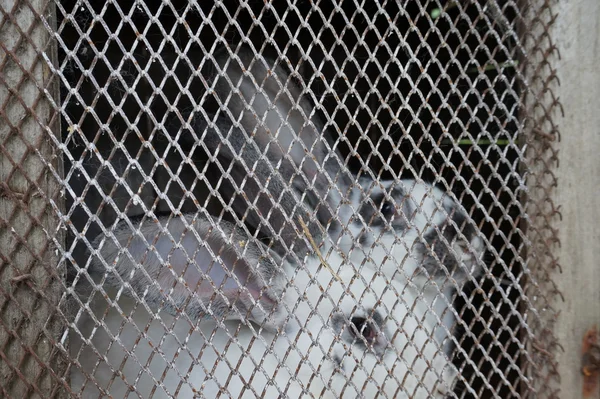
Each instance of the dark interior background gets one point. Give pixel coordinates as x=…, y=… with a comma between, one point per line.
x=436, y=98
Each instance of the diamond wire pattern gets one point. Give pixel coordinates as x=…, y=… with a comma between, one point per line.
x=251, y=101
x=406, y=95
x=30, y=318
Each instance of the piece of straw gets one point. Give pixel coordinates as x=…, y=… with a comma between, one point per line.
x=316, y=249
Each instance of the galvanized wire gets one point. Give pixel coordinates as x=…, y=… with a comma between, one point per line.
x=446, y=92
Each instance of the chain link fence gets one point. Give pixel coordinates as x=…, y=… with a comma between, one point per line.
x=276, y=199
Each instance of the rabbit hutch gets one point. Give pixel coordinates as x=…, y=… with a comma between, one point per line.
x=299, y=199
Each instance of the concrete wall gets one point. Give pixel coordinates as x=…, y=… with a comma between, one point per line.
x=576, y=33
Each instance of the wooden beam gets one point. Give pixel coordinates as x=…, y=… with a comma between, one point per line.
x=30, y=278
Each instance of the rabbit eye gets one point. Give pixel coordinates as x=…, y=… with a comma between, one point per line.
x=362, y=328
x=388, y=209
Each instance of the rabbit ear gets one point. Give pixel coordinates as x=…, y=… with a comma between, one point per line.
x=256, y=189
x=190, y=264
x=268, y=102
x=280, y=127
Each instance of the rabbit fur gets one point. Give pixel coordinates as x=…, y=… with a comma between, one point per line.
x=401, y=249
x=287, y=166
x=289, y=331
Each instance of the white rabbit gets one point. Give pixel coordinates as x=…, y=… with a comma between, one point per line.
x=268, y=329
x=411, y=229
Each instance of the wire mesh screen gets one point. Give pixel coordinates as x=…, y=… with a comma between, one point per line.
x=276, y=199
